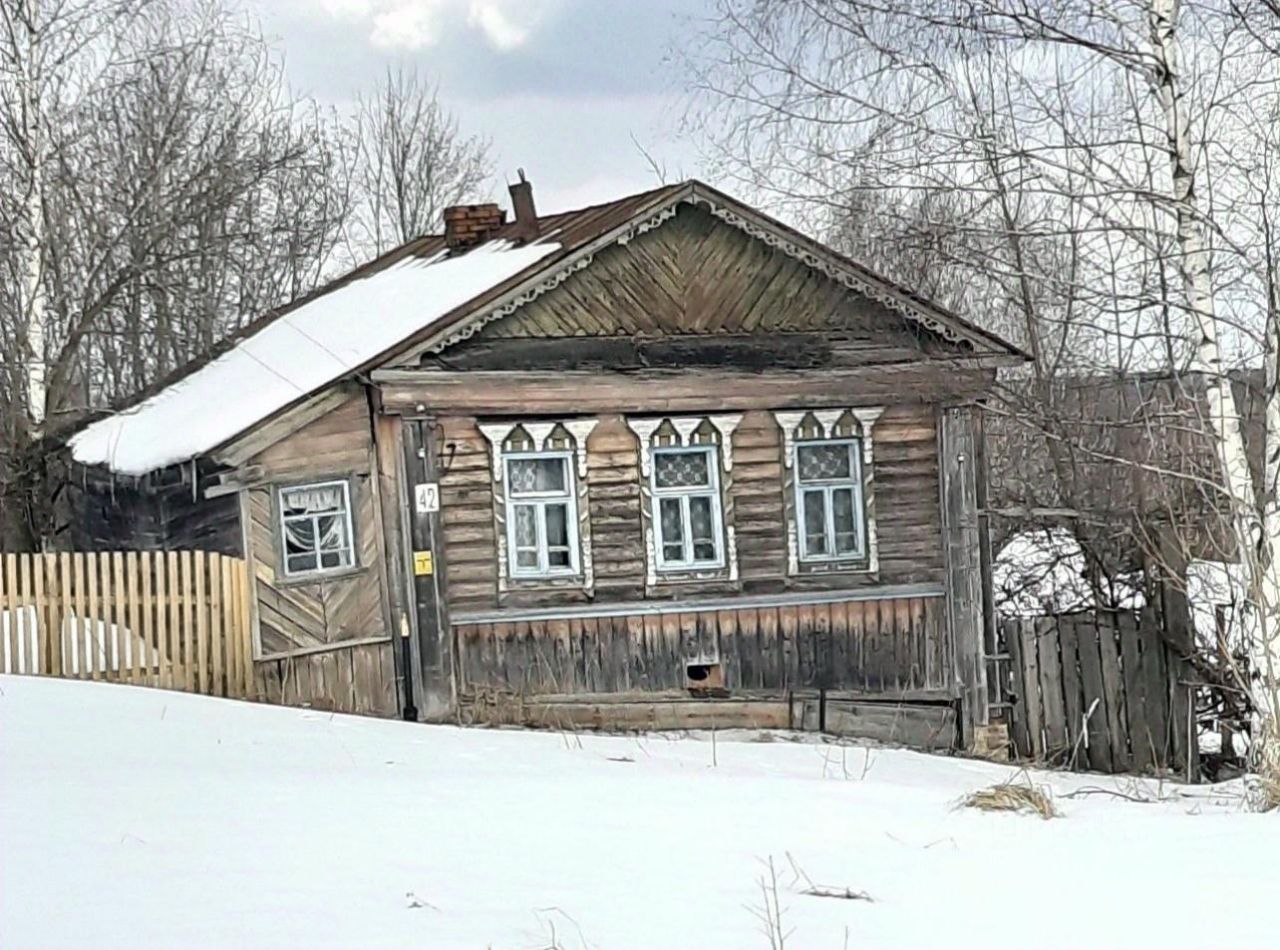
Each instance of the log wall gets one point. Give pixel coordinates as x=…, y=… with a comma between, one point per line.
x=885, y=646
x=907, y=514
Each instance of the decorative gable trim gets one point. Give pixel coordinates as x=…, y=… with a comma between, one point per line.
x=553, y=280
x=838, y=272
x=736, y=216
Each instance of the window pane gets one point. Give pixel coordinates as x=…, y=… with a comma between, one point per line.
x=815, y=523
x=527, y=557
x=558, y=557
x=557, y=526
x=680, y=469
x=823, y=462
x=299, y=536
x=333, y=532
x=672, y=529
x=535, y=475
x=333, y=559
x=526, y=527
x=702, y=529
x=301, y=562
x=842, y=512
x=311, y=499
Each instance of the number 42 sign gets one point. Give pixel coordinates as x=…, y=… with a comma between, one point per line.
x=426, y=497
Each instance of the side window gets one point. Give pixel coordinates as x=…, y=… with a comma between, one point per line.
x=315, y=527
x=542, y=515
x=686, y=492
x=829, y=500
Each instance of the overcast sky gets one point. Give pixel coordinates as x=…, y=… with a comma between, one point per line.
x=561, y=87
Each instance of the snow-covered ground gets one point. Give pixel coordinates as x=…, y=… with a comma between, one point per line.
x=138, y=818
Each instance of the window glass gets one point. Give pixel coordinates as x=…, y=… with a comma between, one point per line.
x=680, y=469
x=688, y=508
x=315, y=524
x=542, y=514
x=530, y=475
x=824, y=461
x=815, y=522
x=829, y=499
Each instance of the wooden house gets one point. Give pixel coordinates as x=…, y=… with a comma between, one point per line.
x=658, y=462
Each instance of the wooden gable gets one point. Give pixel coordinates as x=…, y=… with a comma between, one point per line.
x=695, y=290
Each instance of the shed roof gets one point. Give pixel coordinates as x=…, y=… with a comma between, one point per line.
x=421, y=294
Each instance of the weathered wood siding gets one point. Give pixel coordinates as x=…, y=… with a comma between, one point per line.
x=694, y=291
x=894, y=647
x=355, y=678
x=161, y=511
x=907, y=514
x=323, y=641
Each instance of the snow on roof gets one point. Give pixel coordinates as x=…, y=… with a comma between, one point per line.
x=295, y=355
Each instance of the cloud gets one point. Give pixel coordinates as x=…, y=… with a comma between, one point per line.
x=505, y=25
x=407, y=25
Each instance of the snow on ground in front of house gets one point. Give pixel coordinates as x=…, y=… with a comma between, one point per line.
x=140, y=818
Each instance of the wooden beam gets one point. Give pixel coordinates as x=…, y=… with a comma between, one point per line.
x=662, y=391
x=434, y=636
x=958, y=460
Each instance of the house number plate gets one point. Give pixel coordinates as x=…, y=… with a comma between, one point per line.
x=426, y=497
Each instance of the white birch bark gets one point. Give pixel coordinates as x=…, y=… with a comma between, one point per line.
x=32, y=231
x=1257, y=533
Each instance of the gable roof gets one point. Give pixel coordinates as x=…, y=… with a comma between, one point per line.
x=419, y=297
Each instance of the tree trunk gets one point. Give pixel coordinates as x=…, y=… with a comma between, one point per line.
x=1257, y=534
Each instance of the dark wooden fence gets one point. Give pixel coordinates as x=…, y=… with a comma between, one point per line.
x=1099, y=691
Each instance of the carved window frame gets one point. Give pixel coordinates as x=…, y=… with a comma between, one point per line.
x=688, y=431
x=562, y=437
x=829, y=425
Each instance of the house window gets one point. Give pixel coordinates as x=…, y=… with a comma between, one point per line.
x=686, y=494
x=315, y=524
x=542, y=515
x=828, y=458
x=829, y=500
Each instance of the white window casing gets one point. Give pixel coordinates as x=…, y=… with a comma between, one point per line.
x=542, y=514
x=316, y=534
x=542, y=526
x=687, y=517
x=698, y=540
x=831, y=522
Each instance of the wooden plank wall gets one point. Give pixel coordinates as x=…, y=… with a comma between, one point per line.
x=352, y=678
x=308, y=615
x=324, y=642
x=907, y=513
x=176, y=620
x=1099, y=692
x=894, y=647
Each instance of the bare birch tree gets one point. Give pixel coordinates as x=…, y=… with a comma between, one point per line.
x=1105, y=170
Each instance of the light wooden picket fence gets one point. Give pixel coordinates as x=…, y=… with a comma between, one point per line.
x=176, y=620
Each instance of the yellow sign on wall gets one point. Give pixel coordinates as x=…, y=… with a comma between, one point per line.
x=422, y=563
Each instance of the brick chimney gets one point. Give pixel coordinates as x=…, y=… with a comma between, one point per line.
x=469, y=225
x=526, y=226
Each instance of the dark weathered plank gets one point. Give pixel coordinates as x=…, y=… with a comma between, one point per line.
x=1098, y=740
x=1052, y=702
